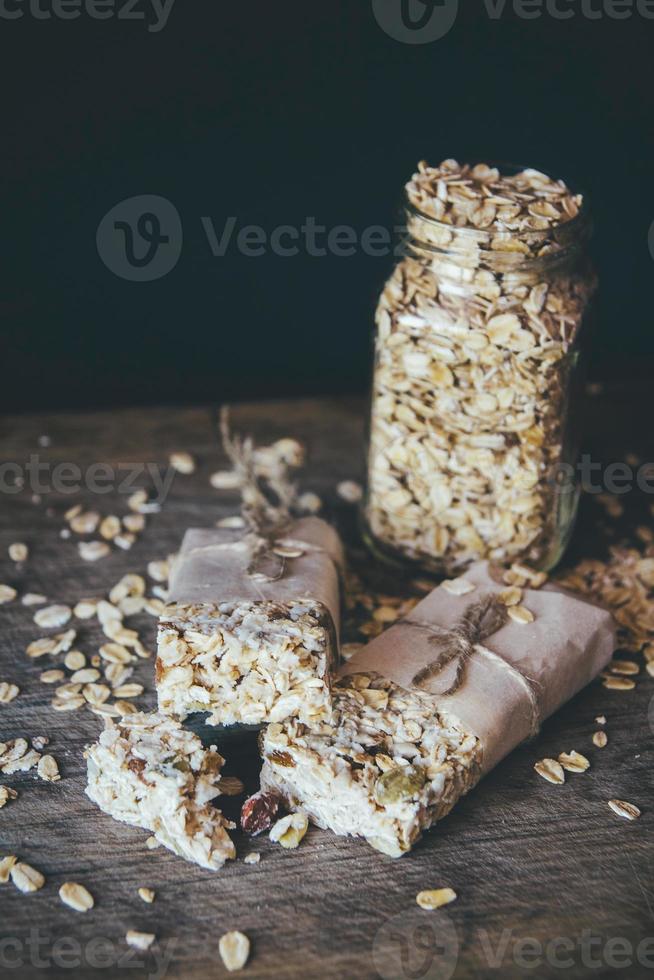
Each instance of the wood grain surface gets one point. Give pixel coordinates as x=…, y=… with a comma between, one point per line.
x=550, y=883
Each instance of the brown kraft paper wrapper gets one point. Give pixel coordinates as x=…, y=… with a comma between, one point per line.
x=212, y=567
x=570, y=641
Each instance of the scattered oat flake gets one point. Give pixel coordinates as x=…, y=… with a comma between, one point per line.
x=182, y=462
x=618, y=683
x=134, y=522
x=147, y=895
x=124, y=541
x=253, y=858
x=458, y=586
x=234, y=522
x=6, y=864
x=33, y=599
x=601, y=720
x=110, y=526
x=8, y=692
x=551, y=770
x=628, y=668
x=93, y=550
x=6, y=794
x=225, y=480
x=128, y=691
x=76, y=896
x=51, y=676
x=74, y=660
x=600, y=739
x=152, y=843
x=139, y=940
x=48, y=769
x=350, y=491
x=234, y=948
x=39, y=742
x=520, y=614
x=435, y=898
x=86, y=608
x=626, y=810
x=159, y=570
x=26, y=878
x=52, y=617
x=574, y=761
x=511, y=596
x=7, y=594
x=309, y=503
x=18, y=551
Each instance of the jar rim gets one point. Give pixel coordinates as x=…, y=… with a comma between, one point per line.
x=578, y=224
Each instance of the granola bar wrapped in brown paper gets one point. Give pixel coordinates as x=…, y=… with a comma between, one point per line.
x=250, y=630
x=431, y=705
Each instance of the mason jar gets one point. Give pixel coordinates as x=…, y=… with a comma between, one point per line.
x=473, y=445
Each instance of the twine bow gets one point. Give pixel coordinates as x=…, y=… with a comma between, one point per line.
x=457, y=643
x=267, y=520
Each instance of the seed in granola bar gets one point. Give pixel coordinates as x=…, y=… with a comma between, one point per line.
x=551, y=770
x=76, y=896
x=290, y=830
x=435, y=898
x=18, y=551
x=574, y=761
x=234, y=948
x=628, y=811
x=259, y=812
x=398, y=784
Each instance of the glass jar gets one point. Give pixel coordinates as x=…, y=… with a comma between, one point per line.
x=472, y=443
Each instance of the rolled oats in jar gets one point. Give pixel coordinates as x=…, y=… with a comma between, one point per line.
x=472, y=445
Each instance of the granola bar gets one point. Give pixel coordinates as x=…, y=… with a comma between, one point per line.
x=146, y=770
x=385, y=768
x=245, y=648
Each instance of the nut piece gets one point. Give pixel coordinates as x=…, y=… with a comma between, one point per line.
x=139, y=940
x=435, y=898
x=182, y=462
x=626, y=810
x=18, y=551
x=259, y=812
x=574, y=761
x=76, y=896
x=234, y=948
x=290, y=830
x=600, y=739
x=147, y=895
x=398, y=784
x=551, y=770
x=26, y=878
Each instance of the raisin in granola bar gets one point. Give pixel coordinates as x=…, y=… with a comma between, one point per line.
x=386, y=767
x=146, y=770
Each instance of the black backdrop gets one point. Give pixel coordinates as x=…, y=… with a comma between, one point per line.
x=271, y=113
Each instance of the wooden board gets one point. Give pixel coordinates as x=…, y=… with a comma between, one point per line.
x=550, y=882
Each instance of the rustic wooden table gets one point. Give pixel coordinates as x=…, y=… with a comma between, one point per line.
x=550, y=882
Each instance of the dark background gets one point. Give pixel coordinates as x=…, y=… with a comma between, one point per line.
x=272, y=112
